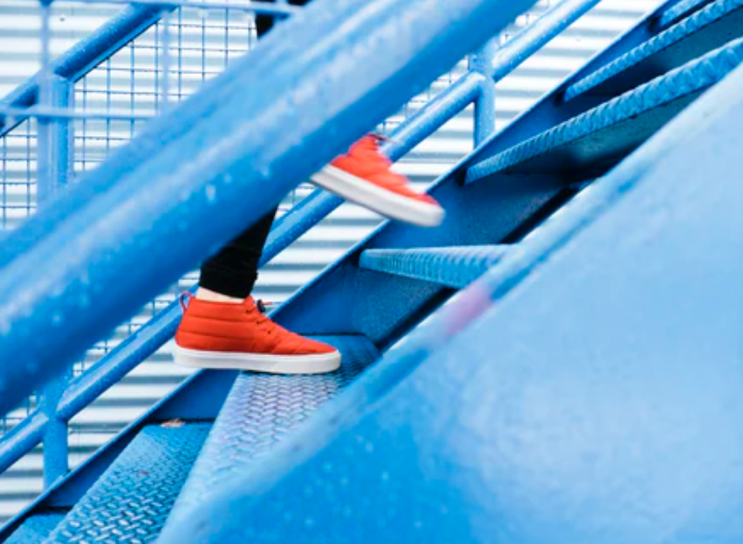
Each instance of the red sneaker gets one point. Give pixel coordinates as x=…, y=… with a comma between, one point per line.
x=238, y=336
x=363, y=176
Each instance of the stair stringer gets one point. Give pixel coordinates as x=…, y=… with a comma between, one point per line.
x=585, y=390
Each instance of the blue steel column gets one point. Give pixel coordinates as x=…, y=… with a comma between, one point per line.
x=341, y=67
x=54, y=164
x=53, y=169
x=481, y=63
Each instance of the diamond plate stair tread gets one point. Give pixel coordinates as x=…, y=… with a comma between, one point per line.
x=628, y=116
x=132, y=499
x=36, y=528
x=720, y=21
x=685, y=8
x=452, y=266
x=260, y=411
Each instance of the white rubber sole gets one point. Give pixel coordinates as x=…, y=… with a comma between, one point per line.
x=375, y=198
x=258, y=362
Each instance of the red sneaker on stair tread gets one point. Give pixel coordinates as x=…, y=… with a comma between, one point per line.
x=221, y=335
x=363, y=176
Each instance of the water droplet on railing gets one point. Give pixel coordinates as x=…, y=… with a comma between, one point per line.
x=211, y=194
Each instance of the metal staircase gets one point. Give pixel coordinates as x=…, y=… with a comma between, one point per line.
x=467, y=409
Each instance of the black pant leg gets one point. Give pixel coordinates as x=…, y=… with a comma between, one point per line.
x=234, y=270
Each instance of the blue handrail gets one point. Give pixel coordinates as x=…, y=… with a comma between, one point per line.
x=145, y=341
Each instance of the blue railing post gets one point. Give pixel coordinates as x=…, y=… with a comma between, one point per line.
x=481, y=63
x=53, y=171
x=55, y=445
x=54, y=167
x=54, y=159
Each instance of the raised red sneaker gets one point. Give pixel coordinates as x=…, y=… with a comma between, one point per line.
x=364, y=176
x=221, y=335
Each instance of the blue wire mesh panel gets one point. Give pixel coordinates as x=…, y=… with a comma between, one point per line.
x=18, y=174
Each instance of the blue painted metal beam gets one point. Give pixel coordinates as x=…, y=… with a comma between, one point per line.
x=712, y=27
x=530, y=383
x=451, y=266
x=345, y=82
x=22, y=438
x=617, y=127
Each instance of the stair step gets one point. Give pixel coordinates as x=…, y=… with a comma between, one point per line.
x=259, y=412
x=451, y=266
x=709, y=28
x=683, y=9
x=604, y=135
x=132, y=499
x=36, y=529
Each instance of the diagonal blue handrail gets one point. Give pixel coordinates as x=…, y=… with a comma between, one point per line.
x=156, y=332
x=376, y=55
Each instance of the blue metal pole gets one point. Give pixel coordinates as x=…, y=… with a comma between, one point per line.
x=53, y=170
x=54, y=141
x=22, y=438
x=343, y=68
x=481, y=63
x=55, y=443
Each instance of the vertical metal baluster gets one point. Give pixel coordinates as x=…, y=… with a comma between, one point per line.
x=53, y=169
x=485, y=104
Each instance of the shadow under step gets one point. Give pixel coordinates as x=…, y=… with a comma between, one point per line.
x=451, y=266
x=260, y=411
x=132, y=499
x=592, y=142
x=707, y=29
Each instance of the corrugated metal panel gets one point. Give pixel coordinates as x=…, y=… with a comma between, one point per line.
x=203, y=42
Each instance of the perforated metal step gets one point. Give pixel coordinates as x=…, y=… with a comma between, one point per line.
x=132, y=499
x=597, y=139
x=36, y=528
x=709, y=28
x=452, y=266
x=259, y=412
